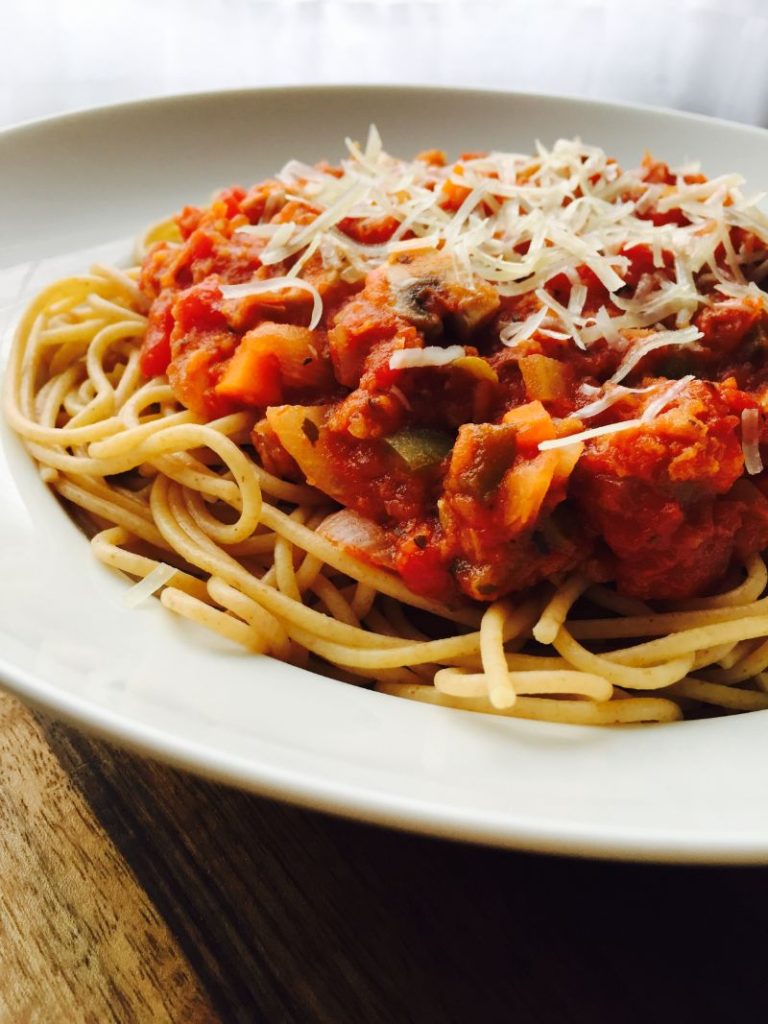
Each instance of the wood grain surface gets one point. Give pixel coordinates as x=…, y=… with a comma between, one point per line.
x=79, y=937
x=131, y=892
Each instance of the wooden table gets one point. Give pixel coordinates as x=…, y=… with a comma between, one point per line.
x=132, y=892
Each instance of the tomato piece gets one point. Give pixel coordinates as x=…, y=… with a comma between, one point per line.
x=156, y=346
x=422, y=566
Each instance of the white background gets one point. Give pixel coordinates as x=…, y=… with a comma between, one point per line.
x=709, y=56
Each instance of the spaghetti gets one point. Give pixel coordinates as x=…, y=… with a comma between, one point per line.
x=186, y=495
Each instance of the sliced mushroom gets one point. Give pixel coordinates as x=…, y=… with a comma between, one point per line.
x=427, y=291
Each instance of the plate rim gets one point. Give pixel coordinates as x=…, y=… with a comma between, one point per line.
x=351, y=800
x=354, y=803
x=332, y=88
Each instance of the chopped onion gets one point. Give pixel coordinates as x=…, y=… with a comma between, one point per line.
x=351, y=531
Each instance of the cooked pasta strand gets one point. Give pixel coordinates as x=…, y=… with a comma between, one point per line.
x=557, y=609
x=239, y=552
x=501, y=689
x=219, y=622
x=615, y=712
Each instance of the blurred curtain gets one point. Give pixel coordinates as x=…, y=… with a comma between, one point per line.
x=700, y=55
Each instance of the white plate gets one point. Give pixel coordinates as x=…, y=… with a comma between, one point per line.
x=686, y=792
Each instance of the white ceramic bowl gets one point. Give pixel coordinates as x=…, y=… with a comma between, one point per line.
x=686, y=792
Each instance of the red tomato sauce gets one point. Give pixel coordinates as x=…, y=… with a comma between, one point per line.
x=447, y=458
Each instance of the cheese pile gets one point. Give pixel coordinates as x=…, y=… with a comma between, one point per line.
x=524, y=220
x=527, y=219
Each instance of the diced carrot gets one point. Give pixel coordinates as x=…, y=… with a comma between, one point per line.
x=433, y=157
x=252, y=376
x=273, y=359
x=451, y=194
x=533, y=423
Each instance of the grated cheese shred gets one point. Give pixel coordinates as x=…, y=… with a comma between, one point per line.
x=750, y=436
x=526, y=218
x=521, y=221
x=155, y=580
x=431, y=355
x=586, y=435
x=263, y=286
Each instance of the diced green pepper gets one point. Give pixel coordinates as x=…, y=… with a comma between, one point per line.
x=420, y=447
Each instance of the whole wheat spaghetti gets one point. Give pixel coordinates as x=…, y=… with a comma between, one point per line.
x=310, y=326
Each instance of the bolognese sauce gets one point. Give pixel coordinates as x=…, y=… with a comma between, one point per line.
x=550, y=364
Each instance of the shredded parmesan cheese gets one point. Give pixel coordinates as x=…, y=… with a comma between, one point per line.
x=614, y=395
x=585, y=435
x=750, y=436
x=152, y=582
x=525, y=220
x=667, y=395
x=514, y=333
x=432, y=355
x=661, y=340
x=275, y=284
